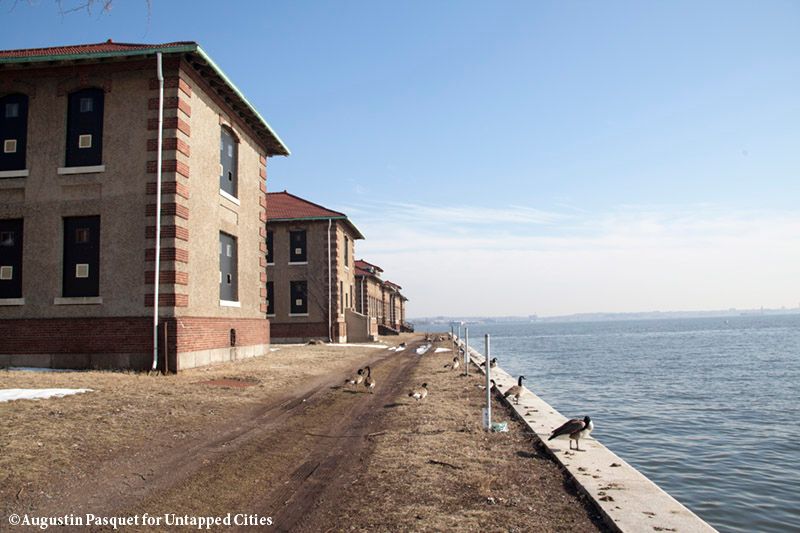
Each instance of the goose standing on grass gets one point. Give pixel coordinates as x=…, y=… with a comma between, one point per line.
x=515, y=391
x=494, y=385
x=576, y=428
x=355, y=379
x=369, y=383
x=419, y=393
x=492, y=363
x=454, y=365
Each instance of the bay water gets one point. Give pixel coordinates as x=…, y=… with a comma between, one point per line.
x=707, y=408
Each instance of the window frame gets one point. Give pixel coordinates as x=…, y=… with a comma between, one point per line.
x=270, y=247
x=81, y=124
x=229, y=170
x=15, y=129
x=298, y=288
x=228, y=269
x=270, y=298
x=298, y=258
x=11, y=258
x=77, y=255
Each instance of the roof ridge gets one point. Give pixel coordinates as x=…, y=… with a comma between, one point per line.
x=287, y=193
x=90, y=45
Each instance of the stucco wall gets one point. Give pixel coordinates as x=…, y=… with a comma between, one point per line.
x=117, y=195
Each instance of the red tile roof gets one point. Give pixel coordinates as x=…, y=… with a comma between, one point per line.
x=98, y=48
x=393, y=286
x=360, y=263
x=283, y=206
x=195, y=55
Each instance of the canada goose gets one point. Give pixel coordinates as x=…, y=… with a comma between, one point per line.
x=494, y=385
x=355, y=379
x=369, y=383
x=454, y=365
x=515, y=391
x=492, y=363
x=420, y=393
x=576, y=429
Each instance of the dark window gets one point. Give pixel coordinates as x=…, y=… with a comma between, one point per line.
x=341, y=296
x=270, y=249
x=297, y=247
x=352, y=297
x=228, y=161
x=81, y=256
x=270, y=298
x=299, y=293
x=346, y=250
x=85, y=128
x=227, y=268
x=11, y=258
x=13, y=131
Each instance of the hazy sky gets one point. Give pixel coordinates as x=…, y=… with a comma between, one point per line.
x=519, y=157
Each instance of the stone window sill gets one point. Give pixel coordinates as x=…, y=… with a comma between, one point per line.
x=12, y=301
x=14, y=173
x=93, y=169
x=229, y=303
x=78, y=300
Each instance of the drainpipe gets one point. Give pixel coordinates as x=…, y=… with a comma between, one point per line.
x=157, y=268
x=330, y=287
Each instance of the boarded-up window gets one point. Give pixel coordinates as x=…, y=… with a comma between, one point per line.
x=85, y=128
x=81, y=274
x=270, y=298
x=228, y=162
x=298, y=291
x=228, y=282
x=11, y=258
x=270, y=249
x=297, y=247
x=13, y=131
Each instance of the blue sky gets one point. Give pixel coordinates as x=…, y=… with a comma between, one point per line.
x=615, y=156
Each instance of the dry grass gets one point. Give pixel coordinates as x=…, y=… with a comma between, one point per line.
x=43, y=440
x=436, y=469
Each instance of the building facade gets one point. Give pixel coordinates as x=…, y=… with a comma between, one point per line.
x=79, y=127
x=311, y=288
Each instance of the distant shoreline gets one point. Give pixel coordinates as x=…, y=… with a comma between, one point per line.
x=606, y=317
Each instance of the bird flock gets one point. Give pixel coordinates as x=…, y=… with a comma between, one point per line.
x=574, y=429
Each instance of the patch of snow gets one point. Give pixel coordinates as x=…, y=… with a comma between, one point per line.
x=440, y=350
x=8, y=395
x=348, y=345
x=274, y=349
x=422, y=350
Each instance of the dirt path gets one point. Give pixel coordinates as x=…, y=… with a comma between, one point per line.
x=249, y=464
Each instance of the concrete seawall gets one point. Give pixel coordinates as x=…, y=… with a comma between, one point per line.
x=627, y=500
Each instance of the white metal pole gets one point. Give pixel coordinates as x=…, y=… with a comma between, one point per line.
x=157, y=266
x=488, y=384
x=466, y=351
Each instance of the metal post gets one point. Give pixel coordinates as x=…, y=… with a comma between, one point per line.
x=487, y=353
x=466, y=351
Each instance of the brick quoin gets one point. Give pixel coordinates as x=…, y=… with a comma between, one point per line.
x=169, y=187
x=262, y=159
x=169, y=165
x=167, y=300
x=168, y=277
x=262, y=231
x=169, y=208
x=171, y=143
x=170, y=232
x=263, y=187
x=168, y=254
x=171, y=102
x=172, y=82
x=171, y=123
x=263, y=276
x=263, y=173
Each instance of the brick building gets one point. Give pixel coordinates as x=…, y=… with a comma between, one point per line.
x=311, y=291
x=381, y=300
x=79, y=128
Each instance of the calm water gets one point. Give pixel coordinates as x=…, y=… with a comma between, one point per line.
x=707, y=408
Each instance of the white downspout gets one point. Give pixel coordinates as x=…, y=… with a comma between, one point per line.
x=330, y=287
x=157, y=268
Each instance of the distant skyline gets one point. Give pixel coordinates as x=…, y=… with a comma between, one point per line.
x=518, y=157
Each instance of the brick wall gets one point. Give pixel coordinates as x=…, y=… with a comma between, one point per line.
x=312, y=330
